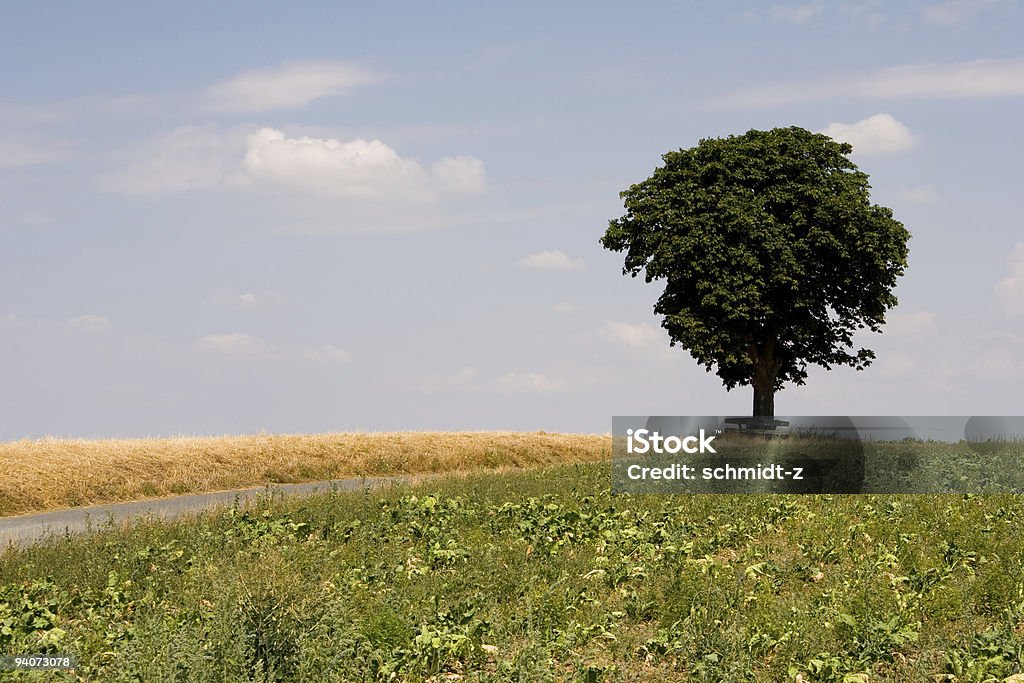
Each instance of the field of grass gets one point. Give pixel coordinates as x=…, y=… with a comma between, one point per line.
x=61, y=473
x=535, y=576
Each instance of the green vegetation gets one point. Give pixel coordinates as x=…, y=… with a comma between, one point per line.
x=535, y=576
x=772, y=253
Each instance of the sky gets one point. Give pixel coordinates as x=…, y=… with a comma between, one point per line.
x=235, y=217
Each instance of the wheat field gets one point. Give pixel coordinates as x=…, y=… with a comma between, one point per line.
x=48, y=474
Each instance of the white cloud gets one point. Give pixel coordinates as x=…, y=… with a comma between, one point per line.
x=925, y=194
x=31, y=149
x=530, y=382
x=245, y=301
x=643, y=336
x=551, y=260
x=565, y=307
x=979, y=78
x=325, y=353
x=203, y=157
x=234, y=344
x=878, y=134
x=90, y=323
x=1010, y=290
x=187, y=158
x=357, y=168
x=290, y=86
x=954, y=12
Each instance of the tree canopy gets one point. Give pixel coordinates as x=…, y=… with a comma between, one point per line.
x=772, y=254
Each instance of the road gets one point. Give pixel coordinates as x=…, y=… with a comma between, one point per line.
x=25, y=529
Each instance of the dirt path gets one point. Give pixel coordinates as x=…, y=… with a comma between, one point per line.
x=25, y=529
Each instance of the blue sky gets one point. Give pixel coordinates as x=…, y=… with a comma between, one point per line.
x=319, y=217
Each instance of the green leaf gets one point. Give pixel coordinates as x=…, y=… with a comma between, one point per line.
x=770, y=251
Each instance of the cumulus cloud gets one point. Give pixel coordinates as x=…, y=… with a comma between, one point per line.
x=289, y=86
x=979, y=78
x=360, y=168
x=203, y=157
x=325, y=353
x=234, y=344
x=1010, y=290
x=565, y=307
x=529, y=382
x=551, y=260
x=878, y=134
x=925, y=194
x=643, y=336
x=90, y=323
x=245, y=301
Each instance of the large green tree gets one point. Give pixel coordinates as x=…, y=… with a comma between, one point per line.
x=772, y=254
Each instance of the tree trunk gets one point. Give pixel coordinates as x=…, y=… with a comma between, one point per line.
x=764, y=395
x=766, y=369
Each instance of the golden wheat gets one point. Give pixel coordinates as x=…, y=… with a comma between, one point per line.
x=50, y=474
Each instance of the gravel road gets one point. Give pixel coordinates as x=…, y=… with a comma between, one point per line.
x=25, y=529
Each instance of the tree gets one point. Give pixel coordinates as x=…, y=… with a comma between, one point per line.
x=772, y=255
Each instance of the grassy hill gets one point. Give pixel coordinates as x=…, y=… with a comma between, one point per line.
x=536, y=576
